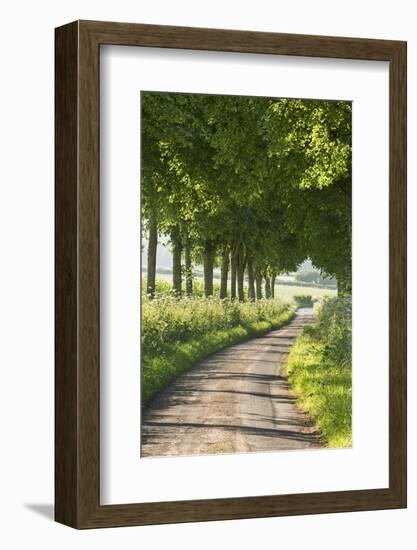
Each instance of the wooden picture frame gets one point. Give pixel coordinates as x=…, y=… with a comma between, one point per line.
x=77, y=374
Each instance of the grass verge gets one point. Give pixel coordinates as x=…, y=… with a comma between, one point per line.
x=323, y=387
x=175, y=358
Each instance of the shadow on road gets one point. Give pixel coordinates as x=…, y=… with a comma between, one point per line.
x=251, y=430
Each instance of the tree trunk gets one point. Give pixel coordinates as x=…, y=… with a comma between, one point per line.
x=251, y=281
x=233, y=277
x=267, y=287
x=224, y=272
x=188, y=264
x=273, y=277
x=258, y=285
x=152, y=247
x=208, y=264
x=240, y=271
x=176, y=261
x=240, y=281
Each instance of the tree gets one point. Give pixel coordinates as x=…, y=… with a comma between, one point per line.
x=254, y=185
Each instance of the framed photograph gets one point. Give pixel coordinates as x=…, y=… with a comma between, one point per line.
x=230, y=274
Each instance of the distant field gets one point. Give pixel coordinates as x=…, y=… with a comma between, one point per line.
x=285, y=292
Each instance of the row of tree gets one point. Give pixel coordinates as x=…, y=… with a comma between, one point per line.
x=252, y=185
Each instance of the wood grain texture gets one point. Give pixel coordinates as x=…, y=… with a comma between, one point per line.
x=66, y=258
x=398, y=274
x=78, y=284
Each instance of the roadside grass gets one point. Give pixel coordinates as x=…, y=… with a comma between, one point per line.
x=170, y=358
x=319, y=370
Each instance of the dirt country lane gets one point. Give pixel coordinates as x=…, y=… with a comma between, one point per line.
x=237, y=400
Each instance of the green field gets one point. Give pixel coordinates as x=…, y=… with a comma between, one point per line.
x=287, y=292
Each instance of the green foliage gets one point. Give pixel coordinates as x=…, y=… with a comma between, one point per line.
x=168, y=319
x=320, y=371
x=314, y=139
x=334, y=330
x=178, y=333
x=269, y=177
x=198, y=289
x=303, y=300
x=163, y=289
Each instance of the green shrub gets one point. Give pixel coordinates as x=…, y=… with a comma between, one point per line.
x=163, y=287
x=304, y=300
x=177, y=333
x=334, y=330
x=166, y=319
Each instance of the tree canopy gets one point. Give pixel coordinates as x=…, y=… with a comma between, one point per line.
x=253, y=185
